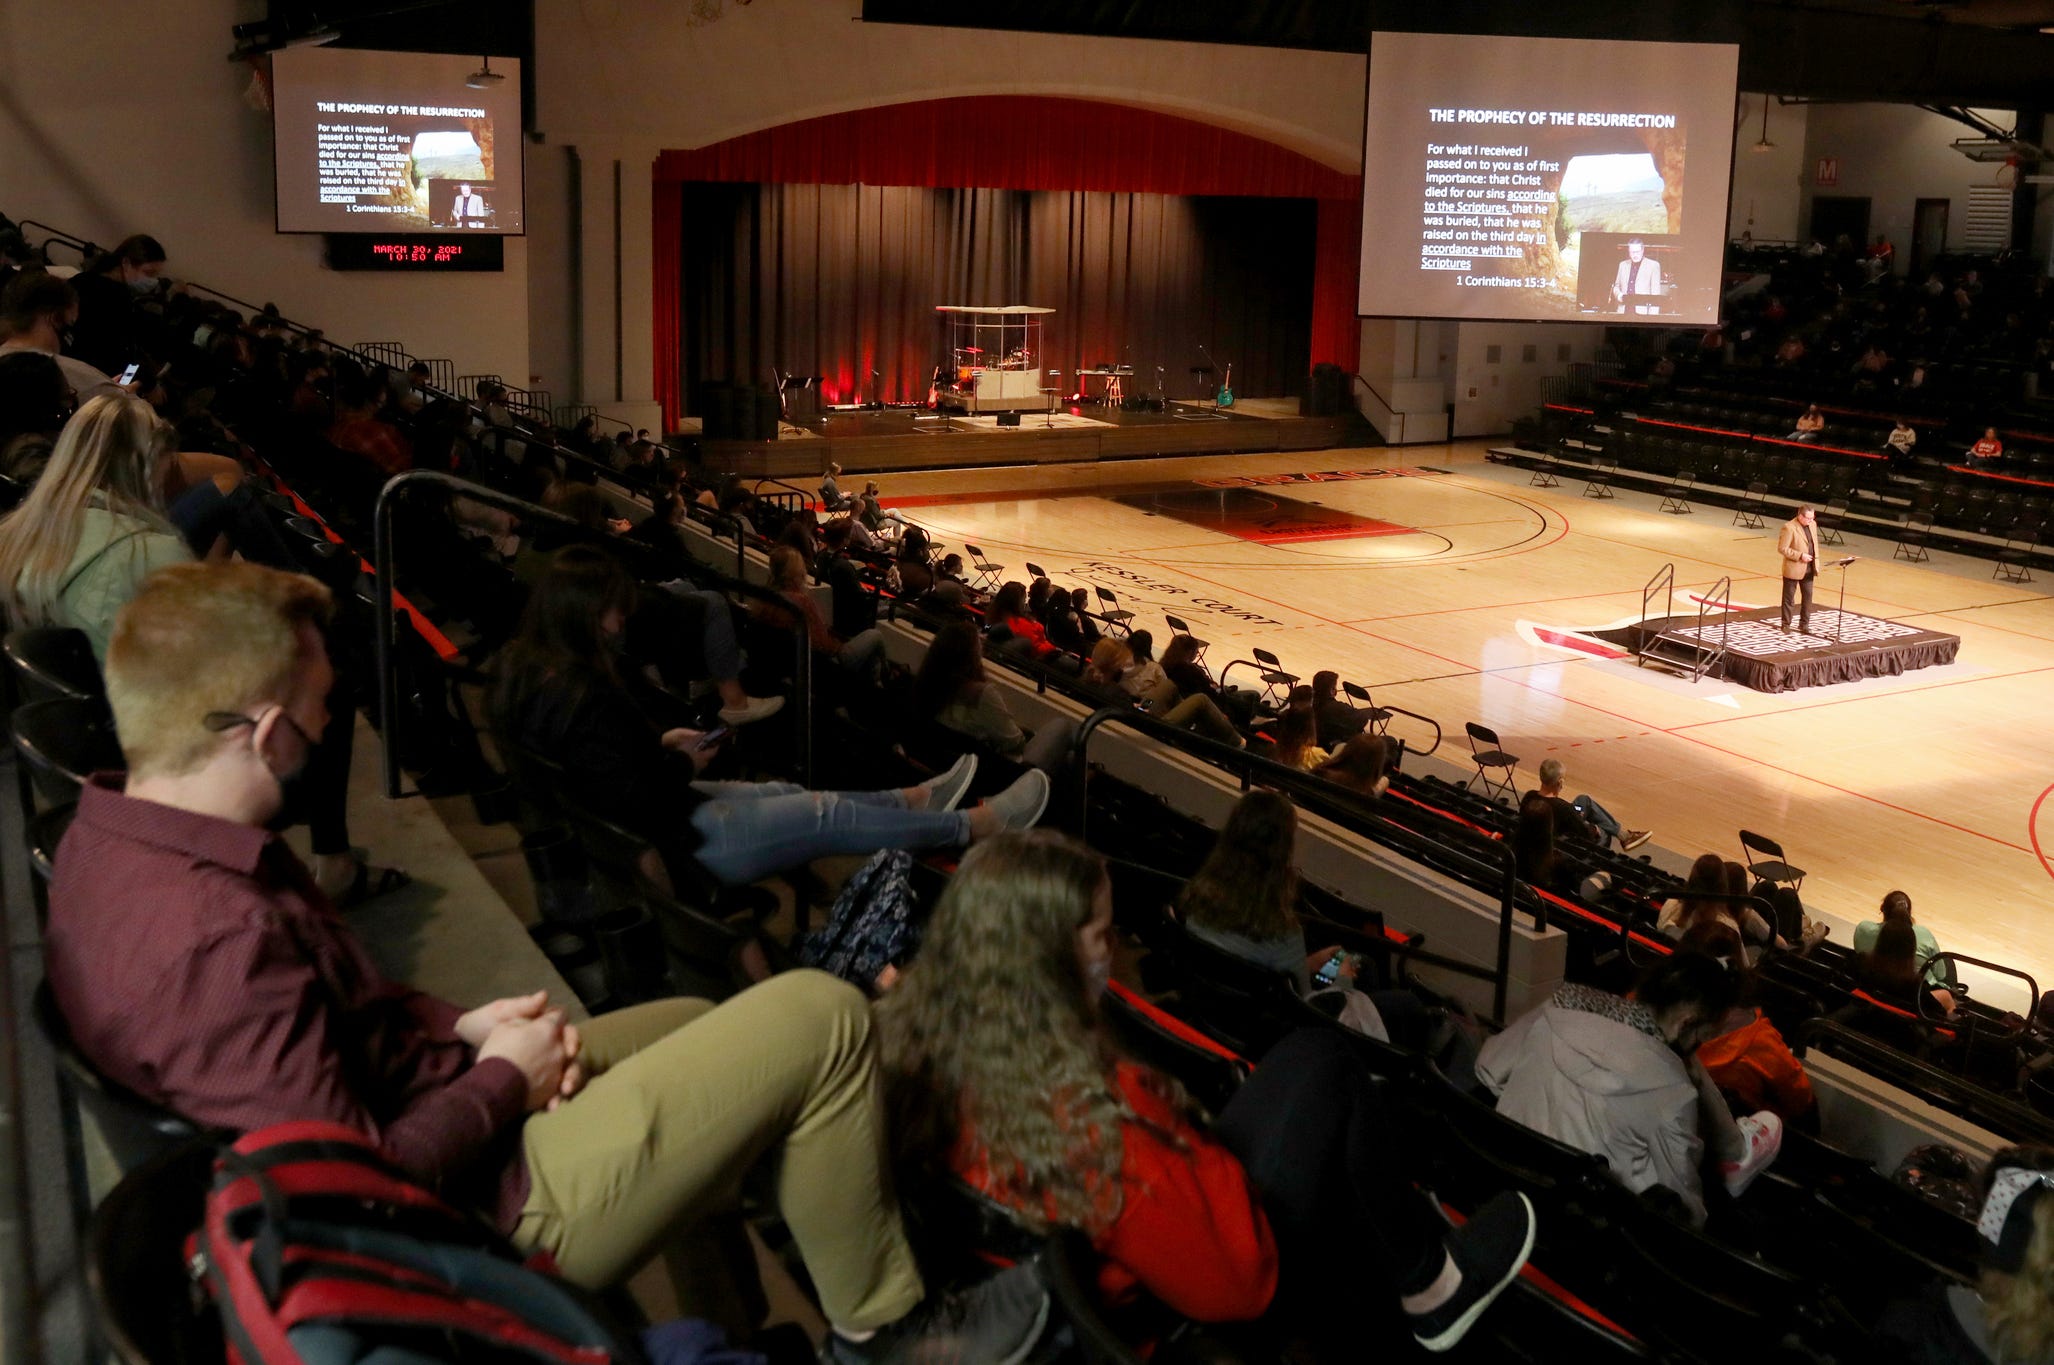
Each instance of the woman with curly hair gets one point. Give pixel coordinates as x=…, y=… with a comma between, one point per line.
x=2008, y=1315
x=997, y=1073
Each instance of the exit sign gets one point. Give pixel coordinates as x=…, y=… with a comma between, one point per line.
x=1829, y=170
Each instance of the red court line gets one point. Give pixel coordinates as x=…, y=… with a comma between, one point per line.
x=2032, y=829
x=1335, y=533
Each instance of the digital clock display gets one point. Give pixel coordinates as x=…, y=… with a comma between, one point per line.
x=368, y=251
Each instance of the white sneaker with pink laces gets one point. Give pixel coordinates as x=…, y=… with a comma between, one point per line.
x=1763, y=1133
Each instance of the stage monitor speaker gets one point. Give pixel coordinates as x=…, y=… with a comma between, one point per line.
x=1009, y=419
x=1326, y=390
x=717, y=411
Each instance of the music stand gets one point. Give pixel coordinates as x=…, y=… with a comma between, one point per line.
x=1840, y=622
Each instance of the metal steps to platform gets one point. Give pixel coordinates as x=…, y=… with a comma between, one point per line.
x=1661, y=637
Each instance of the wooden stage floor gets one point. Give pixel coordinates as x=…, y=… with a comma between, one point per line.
x=901, y=438
x=1451, y=588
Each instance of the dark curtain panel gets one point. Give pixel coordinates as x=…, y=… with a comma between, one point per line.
x=841, y=281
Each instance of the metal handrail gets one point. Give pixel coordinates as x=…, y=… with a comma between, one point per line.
x=1664, y=582
x=2032, y=988
x=1956, y=1094
x=1302, y=787
x=532, y=514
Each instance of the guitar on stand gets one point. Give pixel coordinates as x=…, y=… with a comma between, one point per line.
x=1225, y=397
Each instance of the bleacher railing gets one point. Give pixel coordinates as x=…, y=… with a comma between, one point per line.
x=532, y=515
x=1486, y=863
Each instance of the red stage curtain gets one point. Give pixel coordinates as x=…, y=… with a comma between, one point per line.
x=1024, y=142
x=667, y=221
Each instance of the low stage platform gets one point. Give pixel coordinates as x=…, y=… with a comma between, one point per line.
x=912, y=438
x=1760, y=654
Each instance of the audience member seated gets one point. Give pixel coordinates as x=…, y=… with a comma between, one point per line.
x=1105, y=672
x=1584, y=819
x=241, y=1000
x=1291, y=739
x=1809, y=424
x=1360, y=765
x=1338, y=722
x=35, y=403
x=1896, y=907
x=359, y=430
x=1891, y=971
x=953, y=690
x=1187, y=680
x=1747, y=1057
x=996, y=1074
x=1024, y=635
x=111, y=332
x=1898, y=445
x=2008, y=1314
x=560, y=695
x=1685, y=912
x=1540, y=858
x=858, y=657
x=1069, y=622
x=1987, y=446
x=94, y=526
x=1244, y=900
x=1607, y=1074
x=36, y=310
x=1146, y=674
x=832, y=499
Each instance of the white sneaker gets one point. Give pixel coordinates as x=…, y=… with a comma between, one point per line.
x=1764, y=1135
x=754, y=709
x=946, y=791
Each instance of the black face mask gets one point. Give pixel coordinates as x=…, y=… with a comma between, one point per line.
x=293, y=790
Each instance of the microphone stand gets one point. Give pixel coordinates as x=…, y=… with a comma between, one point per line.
x=1840, y=622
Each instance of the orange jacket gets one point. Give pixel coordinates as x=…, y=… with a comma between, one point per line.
x=1755, y=1066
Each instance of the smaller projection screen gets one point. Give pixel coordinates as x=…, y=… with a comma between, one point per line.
x=1545, y=179
x=395, y=142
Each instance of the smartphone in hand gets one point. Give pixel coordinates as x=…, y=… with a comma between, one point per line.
x=712, y=737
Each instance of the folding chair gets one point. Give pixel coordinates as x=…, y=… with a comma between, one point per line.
x=53, y=661
x=1180, y=628
x=1912, y=538
x=1676, y=497
x=1379, y=717
x=1112, y=614
x=1276, y=683
x=1488, y=753
x=1749, y=512
x=1035, y=570
x=1772, y=868
x=1830, y=522
x=136, y=1262
x=1603, y=469
x=64, y=741
x=989, y=575
x=2015, y=560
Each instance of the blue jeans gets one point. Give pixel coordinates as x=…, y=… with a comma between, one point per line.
x=751, y=829
x=1600, y=817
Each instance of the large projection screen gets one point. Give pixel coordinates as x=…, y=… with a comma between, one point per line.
x=374, y=141
x=1545, y=179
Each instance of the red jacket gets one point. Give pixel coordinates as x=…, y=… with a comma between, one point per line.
x=1189, y=1231
x=1757, y=1067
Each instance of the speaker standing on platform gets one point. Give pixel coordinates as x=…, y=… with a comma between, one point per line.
x=1798, y=543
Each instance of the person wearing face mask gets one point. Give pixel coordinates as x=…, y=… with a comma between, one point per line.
x=1297, y=1197
x=37, y=313
x=1617, y=1076
x=2008, y=1313
x=197, y=963
x=111, y=332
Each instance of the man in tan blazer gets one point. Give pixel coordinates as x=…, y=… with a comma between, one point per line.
x=1798, y=543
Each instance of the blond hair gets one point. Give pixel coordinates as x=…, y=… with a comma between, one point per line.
x=2020, y=1308
x=202, y=638
x=108, y=453
x=990, y=1034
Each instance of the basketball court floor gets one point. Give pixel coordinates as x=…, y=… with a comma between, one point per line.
x=1451, y=587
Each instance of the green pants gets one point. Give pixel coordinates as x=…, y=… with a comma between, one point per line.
x=686, y=1098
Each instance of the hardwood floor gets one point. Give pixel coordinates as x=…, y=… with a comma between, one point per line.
x=1939, y=782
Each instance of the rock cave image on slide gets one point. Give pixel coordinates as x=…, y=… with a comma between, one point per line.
x=1605, y=186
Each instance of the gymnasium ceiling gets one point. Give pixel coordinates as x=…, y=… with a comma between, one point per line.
x=1985, y=53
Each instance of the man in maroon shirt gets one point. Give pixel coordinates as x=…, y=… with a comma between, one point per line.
x=197, y=963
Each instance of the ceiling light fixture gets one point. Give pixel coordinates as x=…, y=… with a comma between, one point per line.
x=1762, y=144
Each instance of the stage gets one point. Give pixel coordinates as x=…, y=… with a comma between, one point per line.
x=1760, y=654
x=1082, y=433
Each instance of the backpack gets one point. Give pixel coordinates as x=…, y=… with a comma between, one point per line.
x=875, y=922
x=317, y=1251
